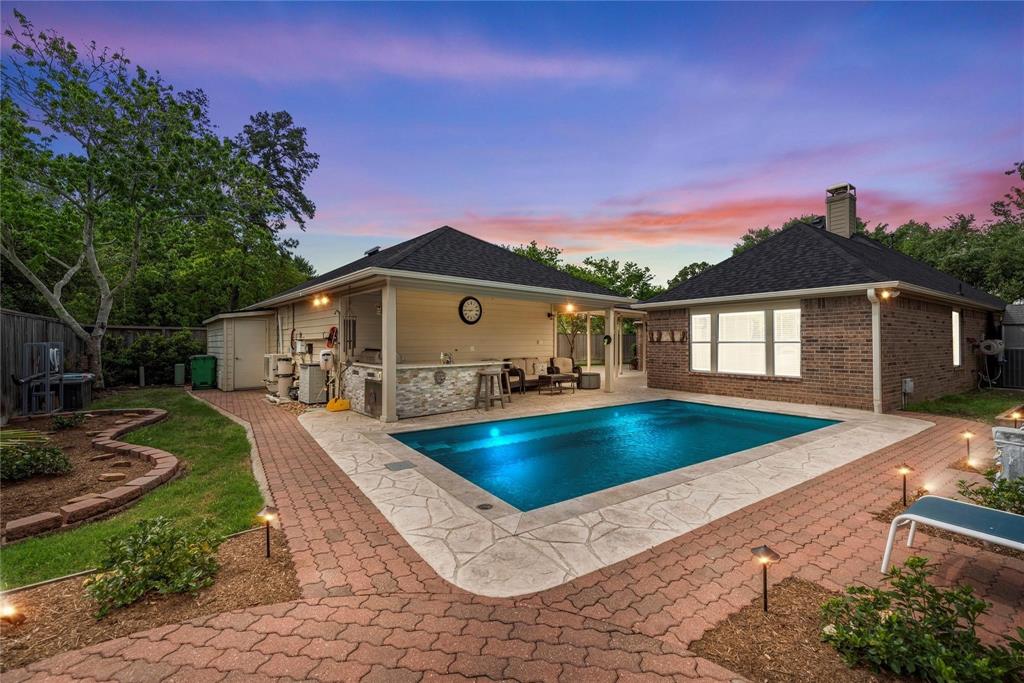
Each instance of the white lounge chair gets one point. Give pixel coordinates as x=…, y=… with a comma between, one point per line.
x=994, y=526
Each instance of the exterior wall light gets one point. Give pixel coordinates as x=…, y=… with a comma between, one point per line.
x=904, y=470
x=10, y=614
x=267, y=515
x=765, y=556
x=321, y=300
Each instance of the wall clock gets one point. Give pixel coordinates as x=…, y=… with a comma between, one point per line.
x=470, y=310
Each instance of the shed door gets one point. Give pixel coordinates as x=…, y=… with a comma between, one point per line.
x=250, y=346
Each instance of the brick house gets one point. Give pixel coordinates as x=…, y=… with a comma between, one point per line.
x=820, y=314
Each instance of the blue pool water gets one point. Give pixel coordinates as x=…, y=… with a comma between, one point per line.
x=531, y=462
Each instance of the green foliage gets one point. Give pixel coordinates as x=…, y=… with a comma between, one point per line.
x=155, y=556
x=219, y=491
x=157, y=353
x=686, y=272
x=916, y=629
x=1000, y=494
x=24, y=460
x=625, y=279
x=68, y=421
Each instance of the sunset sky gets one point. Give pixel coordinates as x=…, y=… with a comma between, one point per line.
x=656, y=133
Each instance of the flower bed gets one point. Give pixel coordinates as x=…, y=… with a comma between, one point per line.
x=52, y=503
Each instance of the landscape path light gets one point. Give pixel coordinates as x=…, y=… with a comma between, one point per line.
x=968, y=435
x=904, y=470
x=765, y=556
x=1016, y=419
x=268, y=514
x=10, y=614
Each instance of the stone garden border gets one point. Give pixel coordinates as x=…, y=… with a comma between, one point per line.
x=165, y=467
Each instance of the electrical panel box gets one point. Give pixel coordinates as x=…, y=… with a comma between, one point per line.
x=312, y=384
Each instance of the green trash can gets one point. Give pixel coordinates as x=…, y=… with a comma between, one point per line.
x=204, y=371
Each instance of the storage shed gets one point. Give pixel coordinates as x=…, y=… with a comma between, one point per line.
x=239, y=340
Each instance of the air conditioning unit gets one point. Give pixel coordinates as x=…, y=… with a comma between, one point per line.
x=312, y=384
x=270, y=367
x=991, y=347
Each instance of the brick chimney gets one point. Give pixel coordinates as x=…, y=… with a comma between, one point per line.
x=841, y=209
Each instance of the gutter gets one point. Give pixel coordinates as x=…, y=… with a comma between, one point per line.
x=876, y=350
x=427, y=277
x=822, y=292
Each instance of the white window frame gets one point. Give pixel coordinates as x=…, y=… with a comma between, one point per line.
x=768, y=310
x=709, y=342
x=957, y=338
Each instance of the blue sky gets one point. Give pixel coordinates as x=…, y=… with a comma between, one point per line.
x=651, y=132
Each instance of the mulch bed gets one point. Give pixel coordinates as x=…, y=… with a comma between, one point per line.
x=888, y=514
x=59, y=616
x=784, y=644
x=48, y=493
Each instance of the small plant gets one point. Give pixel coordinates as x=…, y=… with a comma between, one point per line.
x=1000, y=494
x=916, y=629
x=21, y=460
x=155, y=556
x=69, y=421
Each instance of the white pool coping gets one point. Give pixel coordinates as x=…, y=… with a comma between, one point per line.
x=503, y=552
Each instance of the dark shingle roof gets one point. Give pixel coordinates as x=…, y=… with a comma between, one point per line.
x=806, y=256
x=447, y=251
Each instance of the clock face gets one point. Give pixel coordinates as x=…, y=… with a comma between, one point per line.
x=470, y=310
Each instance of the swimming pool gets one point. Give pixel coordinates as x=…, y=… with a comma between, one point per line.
x=532, y=462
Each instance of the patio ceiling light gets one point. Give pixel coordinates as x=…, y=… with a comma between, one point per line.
x=765, y=556
x=321, y=300
x=570, y=308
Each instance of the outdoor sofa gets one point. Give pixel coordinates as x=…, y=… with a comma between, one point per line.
x=526, y=372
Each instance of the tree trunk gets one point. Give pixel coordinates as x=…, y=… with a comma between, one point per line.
x=94, y=353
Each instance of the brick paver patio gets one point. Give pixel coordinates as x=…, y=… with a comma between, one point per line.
x=372, y=610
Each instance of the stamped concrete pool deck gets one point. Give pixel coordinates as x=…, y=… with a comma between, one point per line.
x=503, y=552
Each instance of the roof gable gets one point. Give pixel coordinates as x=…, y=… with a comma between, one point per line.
x=452, y=253
x=806, y=256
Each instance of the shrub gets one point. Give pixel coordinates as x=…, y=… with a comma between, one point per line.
x=1000, y=494
x=155, y=556
x=68, y=421
x=24, y=460
x=155, y=352
x=916, y=629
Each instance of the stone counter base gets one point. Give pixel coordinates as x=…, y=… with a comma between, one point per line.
x=165, y=467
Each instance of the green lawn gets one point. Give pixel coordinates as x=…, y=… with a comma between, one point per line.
x=977, y=405
x=218, y=491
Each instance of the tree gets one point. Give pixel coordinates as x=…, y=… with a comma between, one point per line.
x=625, y=279
x=140, y=155
x=686, y=272
x=549, y=256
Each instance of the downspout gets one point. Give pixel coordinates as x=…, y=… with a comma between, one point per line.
x=876, y=350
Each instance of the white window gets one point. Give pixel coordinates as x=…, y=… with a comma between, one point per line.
x=786, y=341
x=956, y=339
x=741, y=342
x=700, y=342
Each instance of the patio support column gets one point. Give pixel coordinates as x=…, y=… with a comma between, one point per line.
x=389, y=353
x=588, y=342
x=609, y=351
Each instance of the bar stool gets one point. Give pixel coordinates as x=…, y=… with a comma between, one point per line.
x=486, y=391
x=506, y=384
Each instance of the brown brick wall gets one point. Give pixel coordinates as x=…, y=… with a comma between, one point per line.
x=835, y=358
x=917, y=342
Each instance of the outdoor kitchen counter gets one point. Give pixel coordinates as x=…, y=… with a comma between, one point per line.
x=421, y=388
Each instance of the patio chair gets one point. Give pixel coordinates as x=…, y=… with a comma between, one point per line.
x=986, y=524
x=564, y=365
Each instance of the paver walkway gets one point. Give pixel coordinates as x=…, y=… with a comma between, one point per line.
x=372, y=610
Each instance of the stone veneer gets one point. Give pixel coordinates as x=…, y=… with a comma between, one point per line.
x=165, y=468
x=419, y=392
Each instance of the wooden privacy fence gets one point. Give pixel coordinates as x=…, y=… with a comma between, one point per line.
x=18, y=329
